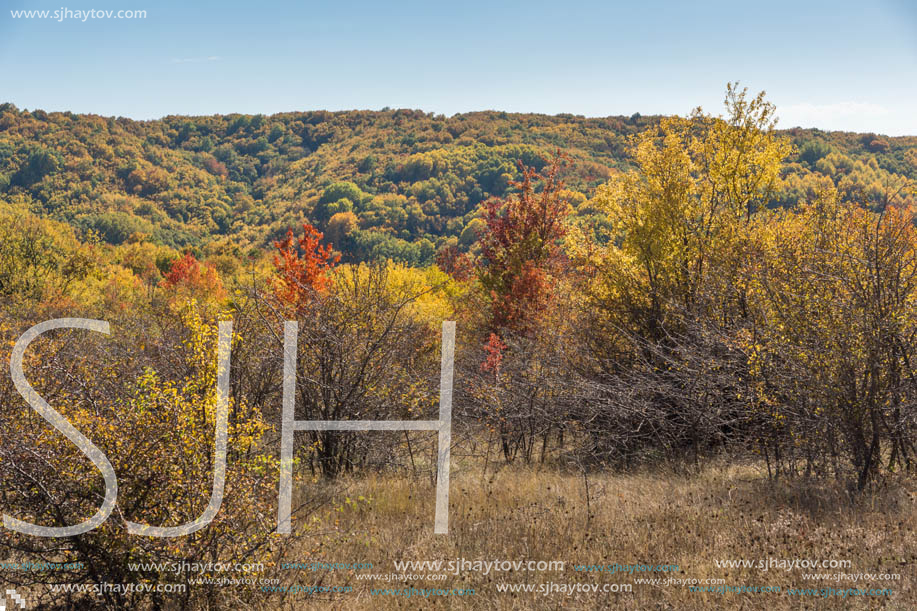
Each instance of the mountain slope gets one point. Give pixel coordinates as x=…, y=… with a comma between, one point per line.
x=396, y=183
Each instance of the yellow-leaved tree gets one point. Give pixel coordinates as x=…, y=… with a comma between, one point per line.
x=156, y=425
x=665, y=285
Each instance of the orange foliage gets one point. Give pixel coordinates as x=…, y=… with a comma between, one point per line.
x=302, y=265
x=190, y=276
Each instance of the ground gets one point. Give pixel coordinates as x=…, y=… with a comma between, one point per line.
x=657, y=517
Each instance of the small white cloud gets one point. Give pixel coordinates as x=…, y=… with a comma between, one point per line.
x=196, y=60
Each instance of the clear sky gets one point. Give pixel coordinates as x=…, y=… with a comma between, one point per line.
x=835, y=65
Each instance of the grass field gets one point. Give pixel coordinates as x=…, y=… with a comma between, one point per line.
x=652, y=518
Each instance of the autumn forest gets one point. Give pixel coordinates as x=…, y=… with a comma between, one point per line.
x=633, y=295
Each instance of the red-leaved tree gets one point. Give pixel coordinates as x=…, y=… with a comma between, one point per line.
x=302, y=266
x=455, y=263
x=520, y=248
x=188, y=277
x=520, y=266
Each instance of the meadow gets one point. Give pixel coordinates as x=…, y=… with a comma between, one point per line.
x=722, y=512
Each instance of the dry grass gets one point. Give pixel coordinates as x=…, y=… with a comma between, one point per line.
x=724, y=512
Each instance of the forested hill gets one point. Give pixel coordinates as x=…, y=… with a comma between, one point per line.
x=392, y=183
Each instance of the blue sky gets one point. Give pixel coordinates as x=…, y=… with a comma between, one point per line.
x=833, y=65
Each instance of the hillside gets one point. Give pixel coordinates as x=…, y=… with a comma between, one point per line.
x=392, y=183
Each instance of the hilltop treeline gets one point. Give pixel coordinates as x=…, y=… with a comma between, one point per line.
x=401, y=184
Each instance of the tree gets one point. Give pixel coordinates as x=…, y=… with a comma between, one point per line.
x=41, y=261
x=519, y=268
x=340, y=226
x=667, y=289
x=189, y=278
x=154, y=418
x=301, y=267
x=520, y=248
x=39, y=164
x=366, y=351
x=832, y=358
